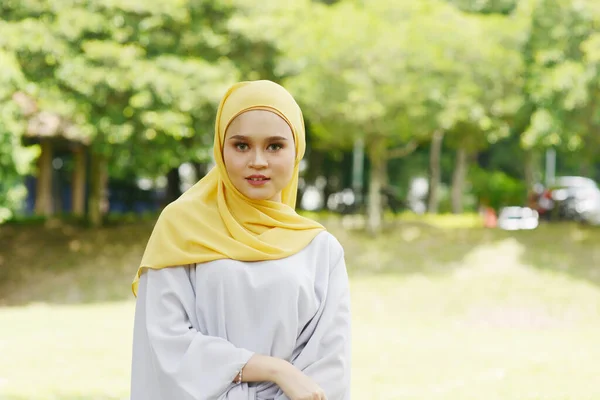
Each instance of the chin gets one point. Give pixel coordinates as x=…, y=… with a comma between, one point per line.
x=267, y=192
x=257, y=194
x=260, y=195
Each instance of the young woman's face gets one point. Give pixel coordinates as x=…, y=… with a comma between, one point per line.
x=259, y=154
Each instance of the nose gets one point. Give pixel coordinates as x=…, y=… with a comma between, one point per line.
x=258, y=160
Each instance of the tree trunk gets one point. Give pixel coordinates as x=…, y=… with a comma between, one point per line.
x=529, y=169
x=43, y=196
x=358, y=168
x=384, y=180
x=78, y=183
x=98, y=180
x=201, y=170
x=173, y=185
x=104, y=201
x=377, y=174
x=458, y=180
x=585, y=165
x=435, y=172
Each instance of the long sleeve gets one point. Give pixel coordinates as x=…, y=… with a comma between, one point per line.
x=172, y=359
x=326, y=354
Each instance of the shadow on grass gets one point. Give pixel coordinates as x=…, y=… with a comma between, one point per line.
x=567, y=248
x=62, y=263
x=57, y=262
x=412, y=247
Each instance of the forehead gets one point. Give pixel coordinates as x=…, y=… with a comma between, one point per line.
x=258, y=122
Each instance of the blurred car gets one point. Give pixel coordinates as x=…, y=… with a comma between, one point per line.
x=589, y=208
x=518, y=218
x=574, y=198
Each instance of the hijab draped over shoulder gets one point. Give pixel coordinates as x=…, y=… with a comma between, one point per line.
x=213, y=220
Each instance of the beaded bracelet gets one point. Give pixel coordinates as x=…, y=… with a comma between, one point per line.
x=239, y=377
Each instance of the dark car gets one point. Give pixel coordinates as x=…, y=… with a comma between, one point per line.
x=571, y=197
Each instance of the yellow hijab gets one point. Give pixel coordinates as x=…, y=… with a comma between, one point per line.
x=213, y=220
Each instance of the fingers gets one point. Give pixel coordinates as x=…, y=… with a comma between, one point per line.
x=321, y=395
x=318, y=395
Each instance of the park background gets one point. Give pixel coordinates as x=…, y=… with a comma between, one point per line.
x=426, y=121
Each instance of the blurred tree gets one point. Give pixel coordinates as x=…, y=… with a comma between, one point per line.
x=142, y=78
x=404, y=74
x=486, y=6
x=563, y=84
x=15, y=160
x=488, y=95
x=383, y=82
x=496, y=189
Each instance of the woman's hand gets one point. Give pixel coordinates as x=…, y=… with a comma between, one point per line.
x=294, y=383
x=297, y=386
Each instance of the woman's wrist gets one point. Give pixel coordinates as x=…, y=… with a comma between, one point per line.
x=279, y=369
x=262, y=368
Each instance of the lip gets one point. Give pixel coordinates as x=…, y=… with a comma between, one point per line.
x=257, y=180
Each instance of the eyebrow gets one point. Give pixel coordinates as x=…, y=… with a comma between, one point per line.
x=242, y=137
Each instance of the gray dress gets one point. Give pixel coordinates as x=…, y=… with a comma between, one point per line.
x=196, y=326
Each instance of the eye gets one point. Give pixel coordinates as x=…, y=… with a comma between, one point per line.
x=241, y=146
x=275, y=147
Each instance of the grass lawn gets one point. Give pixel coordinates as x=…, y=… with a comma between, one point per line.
x=440, y=311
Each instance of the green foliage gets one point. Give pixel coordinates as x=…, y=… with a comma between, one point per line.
x=356, y=82
x=136, y=76
x=15, y=161
x=565, y=71
x=496, y=189
x=141, y=79
x=402, y=71
x=486, y=6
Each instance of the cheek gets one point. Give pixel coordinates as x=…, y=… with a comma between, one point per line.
x=285, y=164
x=232, y=162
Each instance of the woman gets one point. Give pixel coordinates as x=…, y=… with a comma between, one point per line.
x=239, y=297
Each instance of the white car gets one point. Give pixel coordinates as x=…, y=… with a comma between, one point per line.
x=589, y=208
x=577, y=198
x=518, y=218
